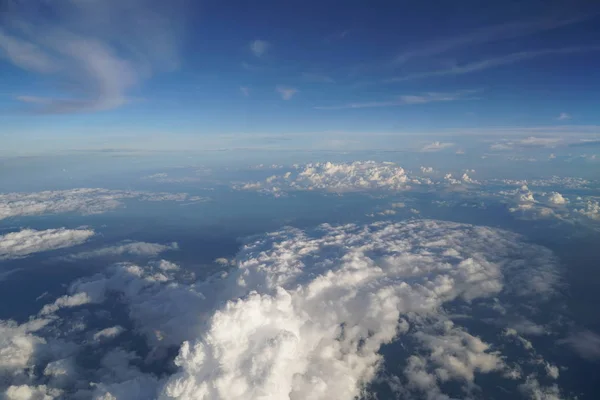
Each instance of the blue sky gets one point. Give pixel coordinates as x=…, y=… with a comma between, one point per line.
x=181, y=74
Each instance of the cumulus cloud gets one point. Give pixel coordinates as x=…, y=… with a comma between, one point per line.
x=330, y=177
x=82, y=201
x=139, y=249
x=436, y=146
x=426, y=170
x=590, y=209
x=75, y=43
x=29, y=241
x=302, y=315
x=286, y=92
x=557, y=198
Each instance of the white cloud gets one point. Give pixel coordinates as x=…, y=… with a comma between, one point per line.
x=26, y=392
x=590, y=209
x=302, y=315
x=426, y=170
x=535, y=391
x=494, y=62
x=83, y=201
x=259, y=47
x=403, y=100
x=564, y=116
x=108, y=333
x=557, y=198
x=286, y=92
x=75, y=42
x=585, y=343
x=296, y=345
x=245, y=90
x=436, y=146
x=330, y=177
x=140, y=249
x=486, y=34
x=29, y=241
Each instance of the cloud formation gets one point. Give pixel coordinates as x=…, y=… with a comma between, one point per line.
x=82, y=201
x=493, y=62
x=564, y=116
x=286, y=92
x=404, y=100
x=259, y=47
x=303, y=314
x=139, y=249
x=436, y=146
x=75, y=43
x=28, y=241
x=330, y=177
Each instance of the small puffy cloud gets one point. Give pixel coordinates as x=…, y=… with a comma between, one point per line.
x=534, y=390
x=259, y=47
x=108, y=333
x=564, y=116
x=286, y=92
x=436, y=146
x=426, y=170
x=552, y=371
x=557, y=199
x=138, y=249
x=29, y=241
x=590, y=209
x=245, y=90
x=26, y=392
x=67, y=301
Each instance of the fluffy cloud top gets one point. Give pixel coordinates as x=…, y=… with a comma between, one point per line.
x=84, y=201
x=302, y=315
x=29, y=241
x=330, y=177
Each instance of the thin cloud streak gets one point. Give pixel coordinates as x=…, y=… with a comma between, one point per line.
x=404, y=100
x=493, y=62
x=488, y=34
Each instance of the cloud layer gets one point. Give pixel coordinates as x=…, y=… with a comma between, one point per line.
x=29, y=241
x=303, y=314
x=83, y=201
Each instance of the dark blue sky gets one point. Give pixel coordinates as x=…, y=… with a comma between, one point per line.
x=112, y=73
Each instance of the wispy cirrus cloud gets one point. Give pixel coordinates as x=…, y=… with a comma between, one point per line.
x=488, y=34
x=74, y=42
x=564, y=116
x=404, y=100
x=493, y=62
x=245, y=90
x=259, y=47
x=286, y=92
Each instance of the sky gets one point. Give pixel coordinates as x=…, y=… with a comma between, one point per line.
x=207, y=75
